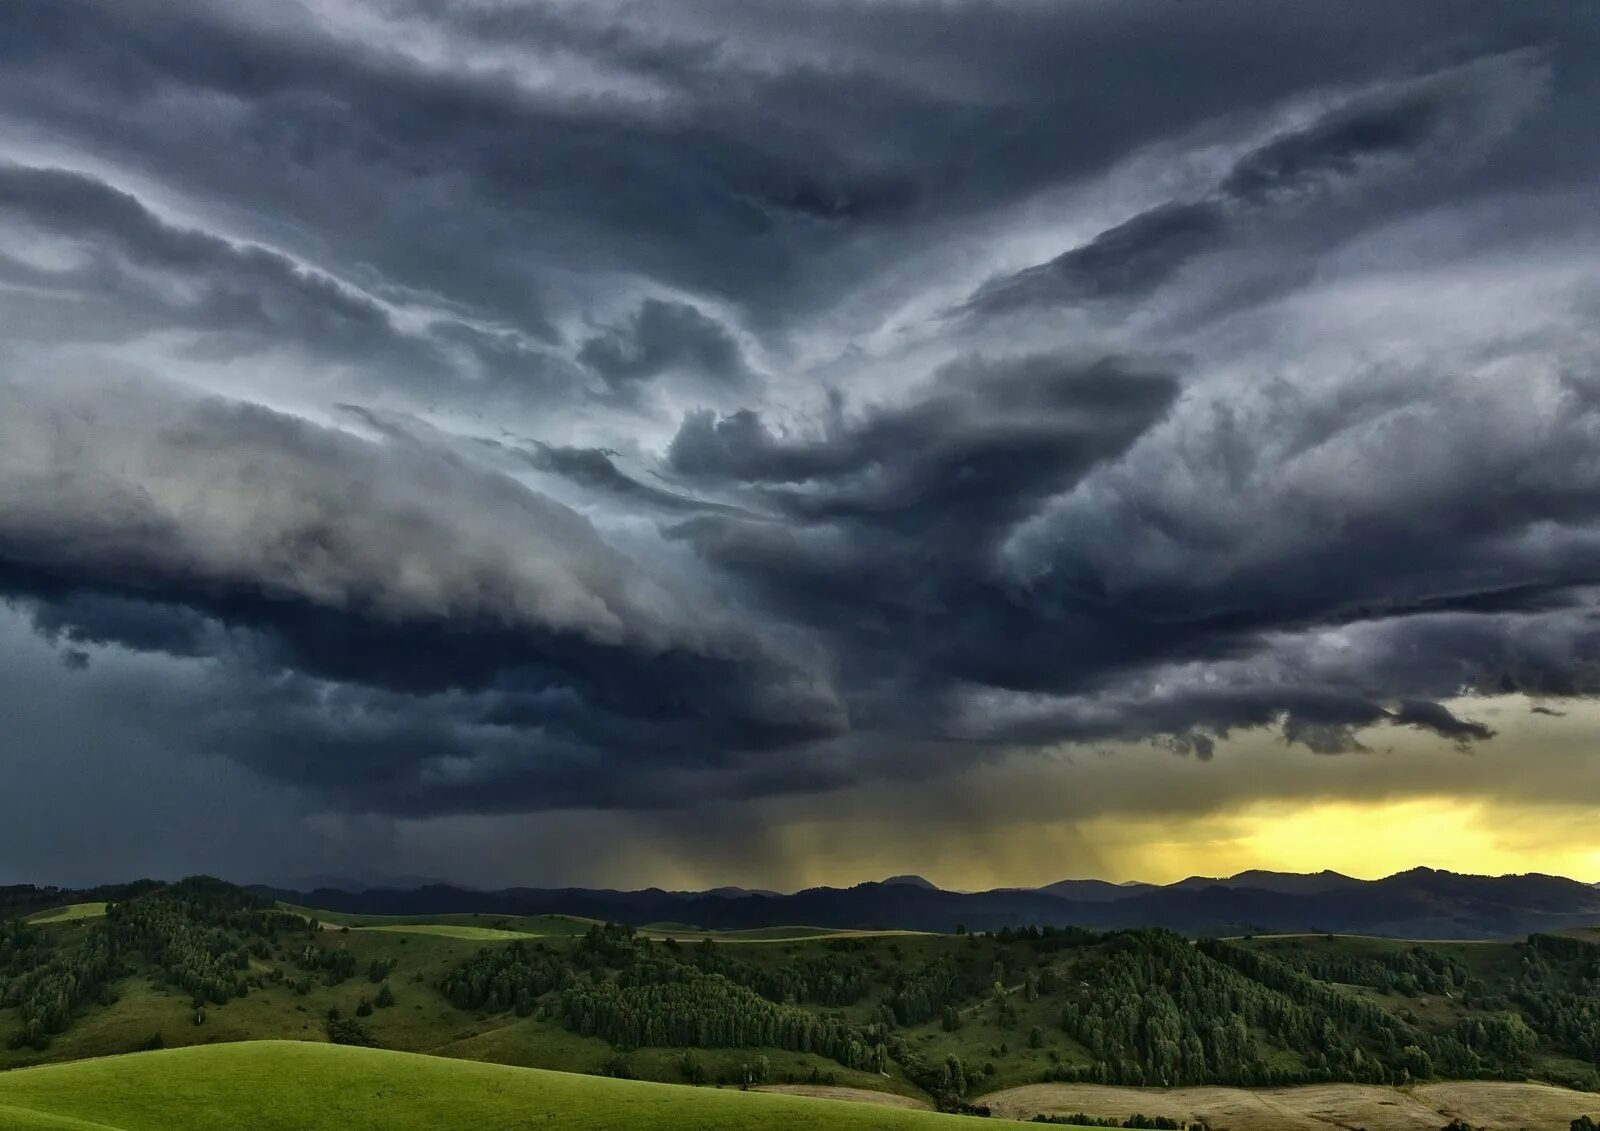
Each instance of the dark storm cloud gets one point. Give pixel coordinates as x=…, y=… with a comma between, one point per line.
x=379, y=568
x=1432, y=716
x=1426, y=127
x=222, y=291
x=663, y=336
x=657, y=469
x=595, y=469
x=898, y=513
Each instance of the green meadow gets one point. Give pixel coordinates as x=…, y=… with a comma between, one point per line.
x=296, y=1086
x=71, y=913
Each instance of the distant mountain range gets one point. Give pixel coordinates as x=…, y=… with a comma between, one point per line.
x=1421, y=903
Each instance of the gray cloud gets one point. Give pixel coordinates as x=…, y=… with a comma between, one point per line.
x=1427, y=127
x=500, y=408
x=138, y=516
x=662, y=336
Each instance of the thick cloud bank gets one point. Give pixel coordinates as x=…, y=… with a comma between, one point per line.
x=502, y=407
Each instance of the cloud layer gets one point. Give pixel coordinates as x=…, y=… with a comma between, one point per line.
x=519, y=408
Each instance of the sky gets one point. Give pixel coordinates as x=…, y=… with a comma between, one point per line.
x=786, y=442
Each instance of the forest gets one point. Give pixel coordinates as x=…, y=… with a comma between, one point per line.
x=954, y=1015
x=1148, y=1007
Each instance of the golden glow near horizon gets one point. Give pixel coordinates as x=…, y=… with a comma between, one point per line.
x=1367, y=840
x=1525, y=801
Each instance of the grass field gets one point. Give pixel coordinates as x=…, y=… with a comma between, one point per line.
x=502, y=927
x=534, y=926
x=685, y=933
x=450, y=931
x=71, y=913
x=1490, y=1105
x=334, y=1086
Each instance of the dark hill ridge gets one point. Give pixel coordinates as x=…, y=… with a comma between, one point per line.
x=1096, y=891
x=1421, y=903
x=1286, y=883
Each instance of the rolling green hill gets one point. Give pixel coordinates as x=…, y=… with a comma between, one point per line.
x=300, y=1086
x=942, y=1019
x=71, y=913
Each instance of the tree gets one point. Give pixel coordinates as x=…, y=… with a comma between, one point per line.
x=385, y=996
x=955, y=1075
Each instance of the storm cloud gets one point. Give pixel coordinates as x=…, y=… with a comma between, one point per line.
x=509, y=409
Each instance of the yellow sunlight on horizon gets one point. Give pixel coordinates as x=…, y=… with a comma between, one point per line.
x=1363, y=839
x=1367, y=840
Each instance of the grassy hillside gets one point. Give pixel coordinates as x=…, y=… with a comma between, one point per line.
x=934, y=1017
x=297, y=1087
x=1485, y=1105
x=71, y=913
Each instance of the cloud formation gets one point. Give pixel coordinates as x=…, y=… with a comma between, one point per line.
x=517, y=408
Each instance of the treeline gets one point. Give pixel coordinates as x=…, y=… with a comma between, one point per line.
x=22, y=900
x=1164, y=1011
x=1416, y=970
x=1151, y=1007
x=690, y=1009
x=635, y=993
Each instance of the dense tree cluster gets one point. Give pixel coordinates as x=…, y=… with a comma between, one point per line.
x=686, y=1008
x=1149, y=1006
x=1415, y=970
x=922, y=992
x=204, y=959
x=1162, y=1011
x=507, y=977
x=47, y=985
x=333, y=963
x=199, y=935
x=1166, y=1011
x=1557, y=989
x=839, y=975
x=348, y=1031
